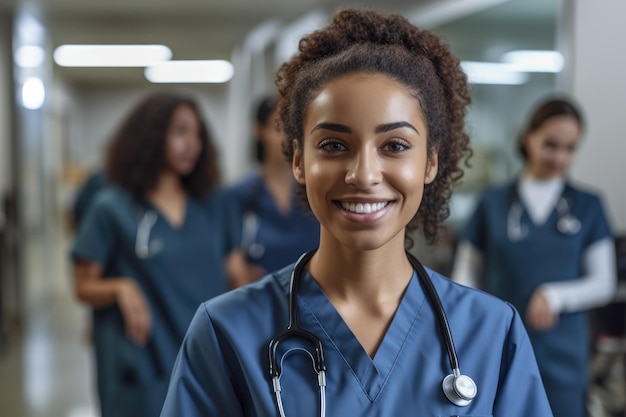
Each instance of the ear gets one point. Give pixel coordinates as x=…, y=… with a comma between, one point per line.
x=298, y=163
x=432, y=167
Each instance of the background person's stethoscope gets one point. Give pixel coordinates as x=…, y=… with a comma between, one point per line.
x=145, y=249
x=458, y=388
x=567, y=223
x=251, y=222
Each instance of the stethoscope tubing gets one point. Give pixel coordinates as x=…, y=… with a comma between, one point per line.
x=459, y=389
x=567, y=224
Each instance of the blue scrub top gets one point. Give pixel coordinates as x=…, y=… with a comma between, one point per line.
x=222, y=367
x=87, y=193
x=284, y=236
x=514, y=269
x=185, y=267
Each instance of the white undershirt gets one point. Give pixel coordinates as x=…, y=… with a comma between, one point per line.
x=539, y=197
x=594, y=289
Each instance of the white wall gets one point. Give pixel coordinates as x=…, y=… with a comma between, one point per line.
x=598, y=81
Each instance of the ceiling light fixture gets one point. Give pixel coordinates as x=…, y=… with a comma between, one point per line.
x=199, y=71
x=535, y=61
x=111, y=55
x=493, y=73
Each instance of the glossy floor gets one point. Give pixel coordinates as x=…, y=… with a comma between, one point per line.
x=45, y=365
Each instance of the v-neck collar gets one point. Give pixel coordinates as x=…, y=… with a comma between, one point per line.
x=513, y=197
x=175, y=227
x=371, y=374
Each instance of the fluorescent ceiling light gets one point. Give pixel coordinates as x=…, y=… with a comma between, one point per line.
x=111, y=55
x=438, y=12
x=493, y=73
x=29, y=56
x=535, y=61
x=207, y=71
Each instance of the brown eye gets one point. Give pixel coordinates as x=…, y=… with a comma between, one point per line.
x=332, y=146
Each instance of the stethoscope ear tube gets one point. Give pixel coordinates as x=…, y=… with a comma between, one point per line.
x=459, y=389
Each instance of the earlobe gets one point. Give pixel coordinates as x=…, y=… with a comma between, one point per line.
x=432, y=168
x=298, y=170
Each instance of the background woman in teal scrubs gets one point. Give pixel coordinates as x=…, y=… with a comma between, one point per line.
x=545, y=246
x=275, y=229
x=373, y=110
x=150, y=249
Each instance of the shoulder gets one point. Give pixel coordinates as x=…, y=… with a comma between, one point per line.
x=246, y=305
x=112, y=198
x=459, y=299
x=241, y=189
x=497, y=191
x=585, y=192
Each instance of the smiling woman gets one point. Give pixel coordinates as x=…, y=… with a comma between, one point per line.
x=373, y=111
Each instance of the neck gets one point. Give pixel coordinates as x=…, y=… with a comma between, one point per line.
x=279, y=171
x=168, y=184
x=528, y=174
x=373, y=276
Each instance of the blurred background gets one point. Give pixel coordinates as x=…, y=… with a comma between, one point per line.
x=56, y=116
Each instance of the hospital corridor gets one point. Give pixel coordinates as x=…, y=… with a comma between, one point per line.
x=152, y=159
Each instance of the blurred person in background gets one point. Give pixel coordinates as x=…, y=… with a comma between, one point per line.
x=151, y=248
x=545, y=245
x=275, y=228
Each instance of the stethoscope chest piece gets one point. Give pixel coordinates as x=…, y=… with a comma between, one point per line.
x=568, y=225
x=459, y=389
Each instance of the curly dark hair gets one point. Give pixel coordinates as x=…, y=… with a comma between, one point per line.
x=370, y=42
x=547, y=109
x=136, y=153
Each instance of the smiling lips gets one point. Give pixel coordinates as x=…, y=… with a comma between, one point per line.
x=363, y=208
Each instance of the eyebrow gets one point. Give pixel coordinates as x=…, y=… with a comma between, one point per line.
x=392, y=126
x=387, y=127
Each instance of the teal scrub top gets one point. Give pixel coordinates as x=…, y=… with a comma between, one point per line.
x=514, y=269
x=223, y=365
x=184, y=267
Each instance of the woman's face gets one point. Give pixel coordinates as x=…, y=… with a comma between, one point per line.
x=364, y=160
x=183, y=144
x=551, y=147
x=272, y=138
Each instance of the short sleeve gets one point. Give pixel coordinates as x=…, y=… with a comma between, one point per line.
x=200, y=382
x=521, y=392
x=95, y=238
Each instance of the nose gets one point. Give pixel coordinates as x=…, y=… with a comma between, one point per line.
x=364, y=169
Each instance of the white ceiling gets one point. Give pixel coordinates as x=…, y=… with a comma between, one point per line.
x=201, y=29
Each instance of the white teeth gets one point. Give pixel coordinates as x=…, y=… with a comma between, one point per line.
x=363, y=208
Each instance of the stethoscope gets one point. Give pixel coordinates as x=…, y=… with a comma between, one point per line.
x=251, y=222
x=459, y=389
x=567, y=223
x=145, y=249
